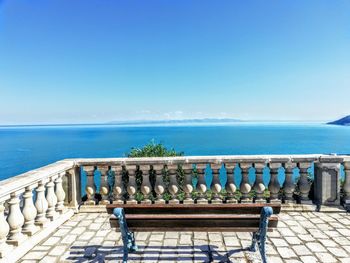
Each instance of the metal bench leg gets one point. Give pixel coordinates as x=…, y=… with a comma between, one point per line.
x=260, y=236
x=127, y=236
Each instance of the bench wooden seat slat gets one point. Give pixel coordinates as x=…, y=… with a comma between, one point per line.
x=191, y=216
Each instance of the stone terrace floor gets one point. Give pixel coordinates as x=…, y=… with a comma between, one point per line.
x=300, y=237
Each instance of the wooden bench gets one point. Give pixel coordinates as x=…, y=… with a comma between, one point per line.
x=255, y=218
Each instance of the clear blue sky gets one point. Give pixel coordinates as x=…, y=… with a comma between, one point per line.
x=81, y=61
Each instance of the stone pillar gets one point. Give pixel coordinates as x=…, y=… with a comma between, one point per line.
x=289, y=184
x=118, y=188
x=327, y=183
x=303, y=183
x=201, y=185
x=90, y=188
x=104, y=186
x=74, y=188
x=131, y=187
x=29, y=212
x=216, y=185
x=245, y=187
x=4, y=230
x=188, y=185
x=15, y=220
x=346, y=186
x=173, y=185
x=230, y=184
x=51, y=200
x=159, y=187
x=41, y=205
x=146, y=187
x=60, y=194
x=259, y=186
x=274, y=185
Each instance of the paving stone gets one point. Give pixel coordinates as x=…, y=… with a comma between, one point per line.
x=293, y=240
x=156, y=237
x=51, y=241
x=35, y=255
x=231, y=241
x=286, y=252
x=185, y=239
x=338, y=252
x=174, y=235
x=316, y=247
x=86, y=236
x=279, y=242
x=309, y=259
x=57, y=251
x=326, y=257
x=215, y=237
x=48, y=259
x=301, y=250
x=69, y=239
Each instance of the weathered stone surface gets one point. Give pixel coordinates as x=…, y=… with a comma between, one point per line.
x=293, y=242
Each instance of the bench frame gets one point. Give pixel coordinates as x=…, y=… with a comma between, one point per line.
x=259, y=237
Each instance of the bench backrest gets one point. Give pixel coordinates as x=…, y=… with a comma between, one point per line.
x=194, y=217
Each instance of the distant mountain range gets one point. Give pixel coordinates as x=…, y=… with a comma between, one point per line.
x=343, y=121
x=184, y=121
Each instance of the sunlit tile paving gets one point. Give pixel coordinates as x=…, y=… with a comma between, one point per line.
x=300, y=237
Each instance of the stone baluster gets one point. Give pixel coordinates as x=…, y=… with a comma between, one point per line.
x=90, y=188
x=274, y=185
x=230, y=184
x=104, y=186
x=29, y=212
x=51, y=200
x=201, y=185
x=245, y=187
x=131, y=187
x=216, y=185
x=15, y=220
x=118, y=188
x=346, y=187
x=4, y=230
x=60, y=194
x=259, y=186
x=303, y=183
x=146, y=187
x=289, y=184
x=188, y=185
x=159, y=187
x=41, y=205
x=173, y=185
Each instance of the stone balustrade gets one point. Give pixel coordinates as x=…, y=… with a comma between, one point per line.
x=36, y=202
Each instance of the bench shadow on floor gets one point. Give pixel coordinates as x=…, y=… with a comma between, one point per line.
x=204, y=253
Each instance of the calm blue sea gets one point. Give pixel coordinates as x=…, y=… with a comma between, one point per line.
x=26, y=148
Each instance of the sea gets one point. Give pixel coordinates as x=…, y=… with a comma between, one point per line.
x=23, y=148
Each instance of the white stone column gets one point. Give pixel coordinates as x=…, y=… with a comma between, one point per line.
x=146, y=187
x=346, y=186
x=60, y=194
x=231, y=187
x=188, y=185
x=173, y=185
x=201, y=184
x=90, y=188
x=74, y=194
x=259, y=186
x=216, y=185
x=51, y=199
x=132, y=187
x=289, y=184
x=159, y=187
x=15, y=220
x=303, y=183
x=29, y=212
x=274, y=185
x=104, y=186
x=245, y=187
x=4, y=230
x=118, y=188
x=41, y=205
